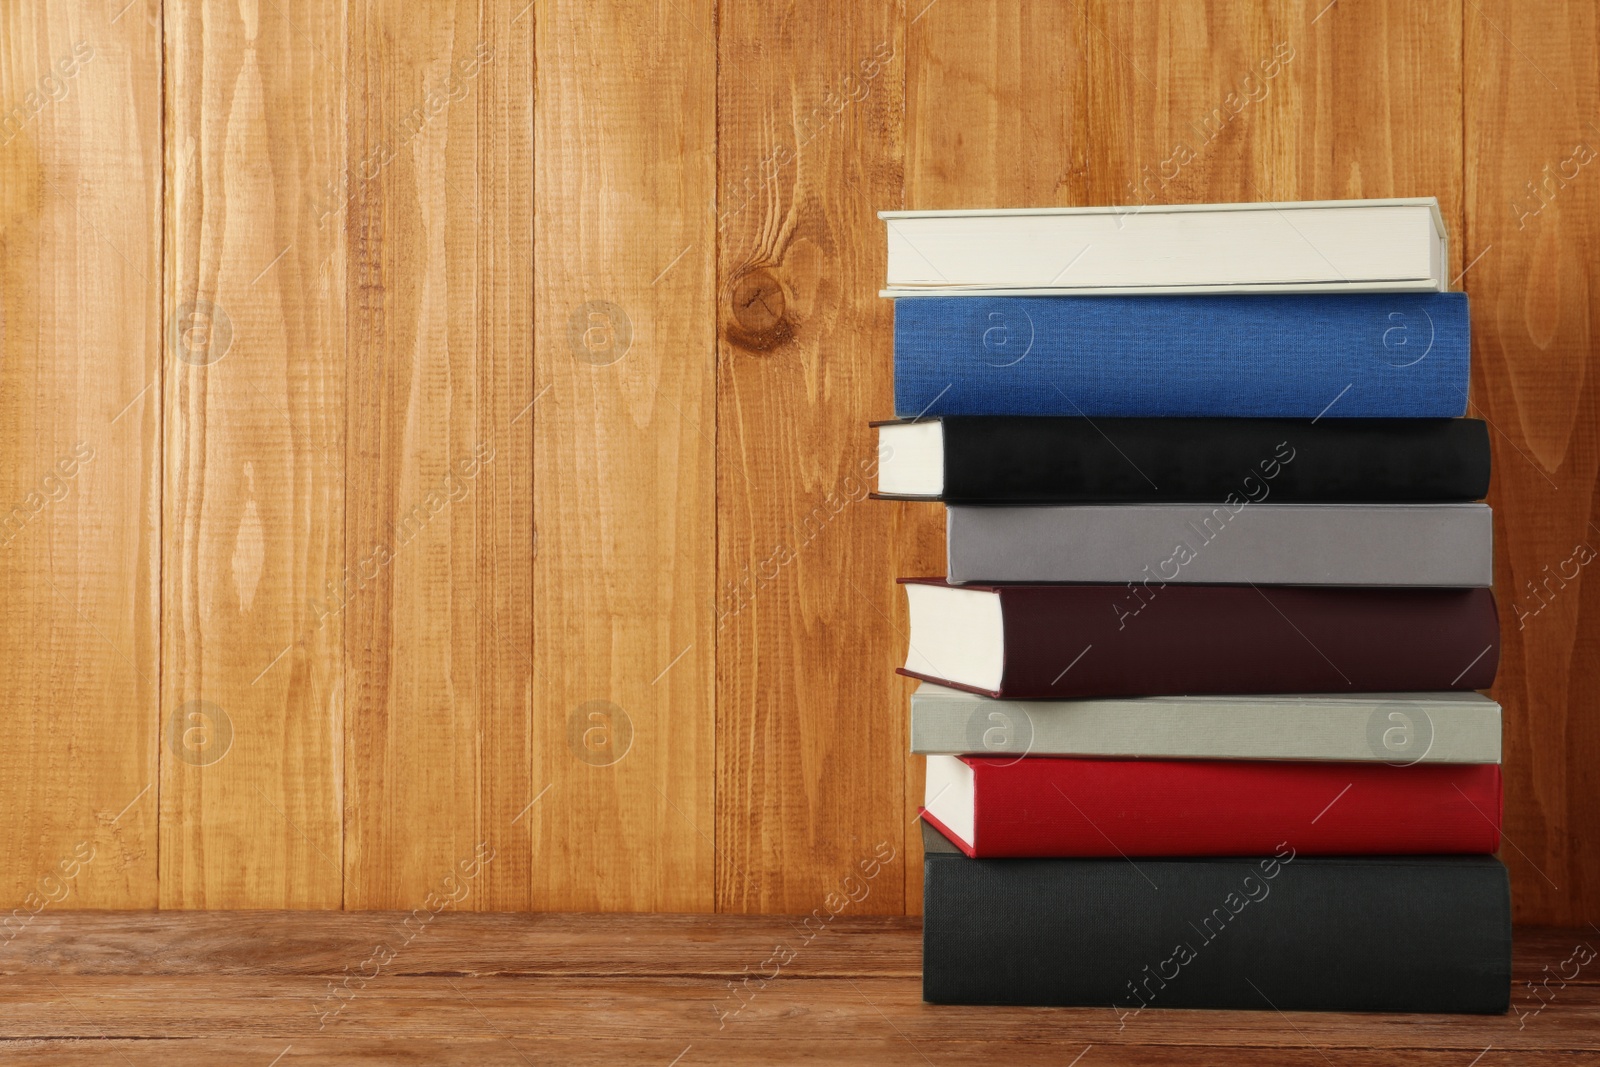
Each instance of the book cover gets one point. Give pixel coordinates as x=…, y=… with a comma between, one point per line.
x=1006, y=460
x=1041, y=806
x=1234, y=541
x=1041, y=642
x=1392, y=355
x=1339, y=245
x=1281, y=932
x=1448, y=727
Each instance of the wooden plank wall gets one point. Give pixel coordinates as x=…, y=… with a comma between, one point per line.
x=624, y=473
x=435, y=435
x=1532, y=235
x=81, y=345
x=436, y=202
x=254, y=463
x=811, y=739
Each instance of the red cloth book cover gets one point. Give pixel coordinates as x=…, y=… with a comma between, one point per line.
x=1059, y=807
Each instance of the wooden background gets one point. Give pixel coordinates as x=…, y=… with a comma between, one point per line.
x=433, y=436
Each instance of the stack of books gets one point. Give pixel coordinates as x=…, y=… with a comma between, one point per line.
x=1199, y=685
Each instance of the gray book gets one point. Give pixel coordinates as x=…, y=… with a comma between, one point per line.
x=1266, y=544
x=1449, y=727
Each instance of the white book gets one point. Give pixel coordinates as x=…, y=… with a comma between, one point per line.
x=1448, y=727
x=1307, y=246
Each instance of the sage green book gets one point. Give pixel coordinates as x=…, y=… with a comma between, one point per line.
x=1447, y=727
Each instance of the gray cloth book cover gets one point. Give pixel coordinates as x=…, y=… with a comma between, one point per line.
x=1283, y=544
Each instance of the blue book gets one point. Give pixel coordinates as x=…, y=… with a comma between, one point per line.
x=1366, y=355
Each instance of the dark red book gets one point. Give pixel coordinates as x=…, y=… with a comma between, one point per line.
x=1027, y=642
x=1049, y=807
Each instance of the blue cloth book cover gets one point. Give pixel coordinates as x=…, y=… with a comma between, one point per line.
x=1373, y=355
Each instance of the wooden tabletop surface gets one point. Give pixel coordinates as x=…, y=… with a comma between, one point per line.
x=501, y=989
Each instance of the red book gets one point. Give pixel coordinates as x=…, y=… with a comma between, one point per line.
x=1047, y=807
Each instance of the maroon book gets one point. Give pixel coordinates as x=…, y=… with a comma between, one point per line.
x=1073, y=641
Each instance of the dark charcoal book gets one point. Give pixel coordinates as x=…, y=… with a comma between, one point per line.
x=1285, y=932
x=1067, y=460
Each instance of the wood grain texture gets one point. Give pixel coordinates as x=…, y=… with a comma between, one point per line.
x=810, y=716
x=867, y=1051
x=591, y=989
x=623, y=1010
x=437, y=203
x=456, y=943
x=1532, y=235
x=624, y=427
x=253, y=522
x=477, y=401
x=1192, y=102
x=80, y=424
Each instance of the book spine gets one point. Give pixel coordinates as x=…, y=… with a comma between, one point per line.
x=1149, y=639
x=1050, y=806
x=1232, y=541
x=1284, y=932
x=1388, y=355
x=997, y=460
x=1395, y=730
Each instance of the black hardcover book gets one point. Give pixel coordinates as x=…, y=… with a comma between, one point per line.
x=1284, y=932
x=1041, y=460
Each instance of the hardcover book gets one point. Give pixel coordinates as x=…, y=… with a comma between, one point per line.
x=1394, y=355
x=1284, y=931
x=1146, y=639
x=1346, y=245
x=1234, y=541
x=1041, y=806
x=1000, y=460
x=1404, y=728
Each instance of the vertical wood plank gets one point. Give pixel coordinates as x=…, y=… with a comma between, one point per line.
x=80, y=417
x=1152, y=103
x=986, y=123
x=811, y=719
x=252, y=677
x=1533, y=230
x=624, y=428
x=437, y=592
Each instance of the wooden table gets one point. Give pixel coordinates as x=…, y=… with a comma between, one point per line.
x=501, y=989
